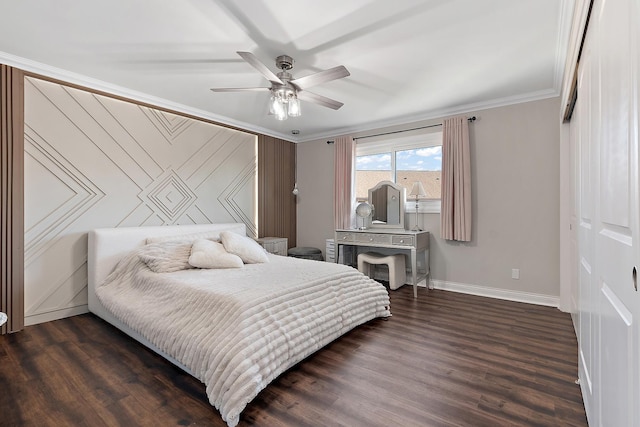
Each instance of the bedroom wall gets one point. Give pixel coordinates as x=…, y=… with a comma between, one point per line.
x=93, y=161
x=515, y=172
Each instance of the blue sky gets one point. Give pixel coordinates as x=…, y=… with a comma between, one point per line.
x=420, y=159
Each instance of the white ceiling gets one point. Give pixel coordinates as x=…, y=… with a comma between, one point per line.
x=409, y=59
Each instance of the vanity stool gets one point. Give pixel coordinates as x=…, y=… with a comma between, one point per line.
x=395, y=262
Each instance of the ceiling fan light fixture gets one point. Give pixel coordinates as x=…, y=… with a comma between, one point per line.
x=279, y=108
x=284, y=101
x=294, y=106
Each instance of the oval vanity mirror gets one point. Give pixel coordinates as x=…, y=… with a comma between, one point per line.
x=388, y=200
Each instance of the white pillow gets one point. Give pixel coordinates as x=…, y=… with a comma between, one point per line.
x=166, y=257
x=245, y=247
x=210, y=254
x=190, y=237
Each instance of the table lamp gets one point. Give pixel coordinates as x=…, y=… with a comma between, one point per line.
x=417, y=191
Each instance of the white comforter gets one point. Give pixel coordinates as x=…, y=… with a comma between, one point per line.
x=238, y=329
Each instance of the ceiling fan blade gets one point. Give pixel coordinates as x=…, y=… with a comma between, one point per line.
x=334, y=73
x=320, y=100
x=263, y=69
x=240, y=89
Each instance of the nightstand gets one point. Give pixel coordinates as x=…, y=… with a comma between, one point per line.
x=330, y=251
x=274, y=245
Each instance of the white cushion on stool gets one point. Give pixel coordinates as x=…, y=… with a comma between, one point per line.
x=396, y=263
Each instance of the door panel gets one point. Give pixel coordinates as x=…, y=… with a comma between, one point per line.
x=608, y=215
x=615, y=237
x=587, y=288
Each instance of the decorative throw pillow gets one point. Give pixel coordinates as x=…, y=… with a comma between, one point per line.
x=190, y=237
x=209, y=254
x=245, y=247
x=166, y=257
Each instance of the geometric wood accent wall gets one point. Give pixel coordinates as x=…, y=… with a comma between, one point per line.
x=277, y=176
x=94, y=161
x=11, y=194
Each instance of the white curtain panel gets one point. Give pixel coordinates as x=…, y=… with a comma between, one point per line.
x=455, y=217
x=344, y=158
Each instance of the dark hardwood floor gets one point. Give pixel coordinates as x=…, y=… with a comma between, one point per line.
x=445, y=359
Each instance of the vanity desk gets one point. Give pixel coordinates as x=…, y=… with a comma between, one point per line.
x=414, y=243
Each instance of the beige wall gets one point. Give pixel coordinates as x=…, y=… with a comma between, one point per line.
x=314, y=174
x=515, y=172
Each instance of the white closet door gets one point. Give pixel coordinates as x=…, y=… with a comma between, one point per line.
x=585, y=121
x=614, y=176
x=609, y=216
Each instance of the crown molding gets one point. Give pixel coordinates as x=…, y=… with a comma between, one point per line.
x=119, y=91
x=102, y=86
x=565, y=19
x=435, y=114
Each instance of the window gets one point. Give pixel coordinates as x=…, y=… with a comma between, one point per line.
x=403, y=160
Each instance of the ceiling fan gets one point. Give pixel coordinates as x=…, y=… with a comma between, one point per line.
x=286, y=92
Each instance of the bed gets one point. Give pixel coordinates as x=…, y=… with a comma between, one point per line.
x=235, y=329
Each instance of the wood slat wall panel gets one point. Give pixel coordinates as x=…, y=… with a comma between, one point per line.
x=12, y=189
x=277, y=175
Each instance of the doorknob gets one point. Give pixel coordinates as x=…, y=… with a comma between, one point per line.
x=634, y=274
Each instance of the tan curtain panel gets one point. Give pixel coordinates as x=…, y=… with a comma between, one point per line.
x=344, y=157
x=455, y=217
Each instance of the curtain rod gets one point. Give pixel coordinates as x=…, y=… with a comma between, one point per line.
x=470, y=119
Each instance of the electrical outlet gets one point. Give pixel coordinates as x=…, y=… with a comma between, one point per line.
x=515, y=273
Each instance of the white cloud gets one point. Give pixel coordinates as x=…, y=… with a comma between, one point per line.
x=364, y=160
x=374, y=162
x=429, y=151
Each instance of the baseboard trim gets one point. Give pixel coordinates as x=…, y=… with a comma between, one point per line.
x=464, y=288
x=483, y=291
x=55, y=315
